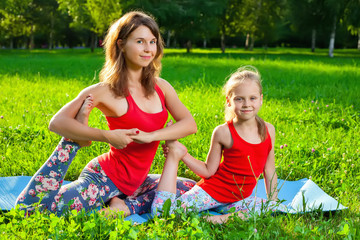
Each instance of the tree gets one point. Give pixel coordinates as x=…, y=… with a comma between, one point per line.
x=93, y=15
x=307, y=17
x=14, y=21
x=257, y=19
x=334, y=10
x=188, y=20
x=352, y=18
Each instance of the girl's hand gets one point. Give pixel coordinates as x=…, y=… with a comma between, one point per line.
x=120, y=138
x=165, y=149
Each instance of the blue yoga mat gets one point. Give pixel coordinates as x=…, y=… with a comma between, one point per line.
x=293, y=194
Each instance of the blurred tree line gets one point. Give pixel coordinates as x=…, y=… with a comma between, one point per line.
x=185, y=23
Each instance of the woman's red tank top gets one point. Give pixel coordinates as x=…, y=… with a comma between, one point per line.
x=235, y=178
x=128, y=167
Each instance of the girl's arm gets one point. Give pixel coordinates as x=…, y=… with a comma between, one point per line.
x=65, y=124
x=184, y=122
x=270, y=175
x=208, y=168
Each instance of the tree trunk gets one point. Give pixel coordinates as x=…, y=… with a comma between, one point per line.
x=252, y=43
x=92, y=42
x=332, y=39
x=168, y=38
x=188, y=46
x=32, y=44
x=222, y=43
x=247, y=41
x=11, y=43
x=313, y=40
x=204, y=43
x=359, y=39
x=51, y=34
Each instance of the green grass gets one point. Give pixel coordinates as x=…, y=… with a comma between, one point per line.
x=312, y=100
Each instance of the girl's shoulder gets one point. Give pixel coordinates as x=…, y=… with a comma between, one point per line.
x=271, y=130
x=222, y=134
x=270, y=127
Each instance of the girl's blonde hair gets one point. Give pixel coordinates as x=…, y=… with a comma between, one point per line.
x=235, y=80
x=114, y=71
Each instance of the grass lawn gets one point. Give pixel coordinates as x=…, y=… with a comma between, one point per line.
x=311, y=99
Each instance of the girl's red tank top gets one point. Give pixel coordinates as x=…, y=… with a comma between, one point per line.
x=128, y=167
x=235, y=178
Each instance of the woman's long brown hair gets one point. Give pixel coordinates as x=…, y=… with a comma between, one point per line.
x=114, y=71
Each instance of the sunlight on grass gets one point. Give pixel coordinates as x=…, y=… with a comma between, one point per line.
x=311, y=100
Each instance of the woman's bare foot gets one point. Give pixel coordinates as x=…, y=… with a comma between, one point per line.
x=219, y=219
x=83, y=117
x=175, y=149
x=116, y=206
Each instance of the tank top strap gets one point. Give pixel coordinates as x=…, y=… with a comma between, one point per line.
x=235, y=136
x=161, y=95
x=131, y=103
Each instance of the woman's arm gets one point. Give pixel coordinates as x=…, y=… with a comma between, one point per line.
x=184, y=122
x=65, y=124
x=270, y=175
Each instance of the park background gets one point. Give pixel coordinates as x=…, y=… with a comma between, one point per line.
x=306, y=51
x=202, y=23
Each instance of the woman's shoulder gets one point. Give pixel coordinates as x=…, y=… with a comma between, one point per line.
x=165, y=86
x=98, y=89
x=162, y=83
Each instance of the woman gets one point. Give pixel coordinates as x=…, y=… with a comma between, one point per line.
x=135, y=102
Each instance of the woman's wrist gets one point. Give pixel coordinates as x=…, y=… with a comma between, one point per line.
x=104, y=135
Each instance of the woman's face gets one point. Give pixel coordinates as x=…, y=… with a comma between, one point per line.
x=140, y=48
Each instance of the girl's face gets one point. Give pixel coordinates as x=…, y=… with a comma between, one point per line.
x=246, y=100
x=140, y=48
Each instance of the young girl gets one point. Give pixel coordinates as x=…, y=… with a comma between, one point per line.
x=135, y=102
x=240, y=150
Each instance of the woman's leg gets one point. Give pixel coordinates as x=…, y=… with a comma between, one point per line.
x=140, y=202
x=92, y=190
x=167, y=186
x=47, y=181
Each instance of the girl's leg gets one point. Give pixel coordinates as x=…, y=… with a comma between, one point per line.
x=167, y=186
x=252, y=205
x=142, y=204
x=198, y=200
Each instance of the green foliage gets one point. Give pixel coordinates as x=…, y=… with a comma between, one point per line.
x=94, y=15
x=310, y=99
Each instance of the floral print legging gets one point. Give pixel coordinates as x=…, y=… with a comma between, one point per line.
x=197, y=199
x=92, y=189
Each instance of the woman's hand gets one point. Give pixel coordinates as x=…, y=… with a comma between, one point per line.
x=120, y=138
x=142, y=137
